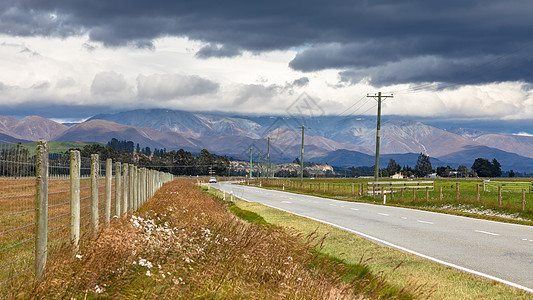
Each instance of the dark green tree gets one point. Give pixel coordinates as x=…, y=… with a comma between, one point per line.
x=423, y=166
x=511, y=174
x=496, y=168
x=393, y=167
x=482, y=167
x=462, y=170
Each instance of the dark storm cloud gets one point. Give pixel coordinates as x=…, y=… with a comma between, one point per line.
x=300, y=82
x=380, y=41
x=218, y=51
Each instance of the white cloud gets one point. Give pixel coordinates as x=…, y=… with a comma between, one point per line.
x=109, y=84
x=68, y=72
x=172, y=86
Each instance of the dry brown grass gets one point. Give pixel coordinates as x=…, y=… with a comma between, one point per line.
x=185, y=244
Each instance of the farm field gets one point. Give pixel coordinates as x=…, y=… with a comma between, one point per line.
x=459, y=196
x=17, y=220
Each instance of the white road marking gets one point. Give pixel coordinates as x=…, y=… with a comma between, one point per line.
x=333, y=205
x=425, y=222
x=286, y=202
x=486, y=232
x=405, y=218
x=354, y=208
x=524, y=239
x=386, y=215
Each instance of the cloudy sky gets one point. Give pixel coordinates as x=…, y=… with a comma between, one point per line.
x=71, y=59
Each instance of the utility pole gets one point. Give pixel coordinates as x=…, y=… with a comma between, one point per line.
x=302, y=157
x=251, y=164
x=378, y=128
x=268, y=157
x=259, y=165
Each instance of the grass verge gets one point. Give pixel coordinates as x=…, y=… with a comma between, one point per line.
x=442, y=282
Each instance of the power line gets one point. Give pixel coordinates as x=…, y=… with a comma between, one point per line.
x=339, y=115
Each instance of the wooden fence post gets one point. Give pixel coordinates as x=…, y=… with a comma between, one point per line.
x=414, y=194
x=118, y=171
x=477, y=192
x=131, y=187
x=523, y=199
x=457, y=192
x=440, y=192
x=75, y=168
x=500, y=195
x=427, y=193
x=108, y=178
x=125, y=194
x=95, y=173
x=41, y=209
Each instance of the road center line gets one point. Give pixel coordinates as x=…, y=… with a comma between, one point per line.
x=386, y=215
x=486, y=232
x=425, y=222
x=354, y=208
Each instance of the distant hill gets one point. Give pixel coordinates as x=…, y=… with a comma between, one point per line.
x=7, y=139
x=31, y=128
x=103, y=131
x=342, y=141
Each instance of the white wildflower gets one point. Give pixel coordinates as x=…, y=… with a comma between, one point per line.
x=79, y=256
x=148, y=273
x=98, y=289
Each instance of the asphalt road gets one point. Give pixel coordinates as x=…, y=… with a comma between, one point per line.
x=499, y=251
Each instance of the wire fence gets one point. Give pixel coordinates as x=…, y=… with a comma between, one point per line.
x=17, y=211
x=74, y=204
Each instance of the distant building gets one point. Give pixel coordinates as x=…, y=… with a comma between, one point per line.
x=397, y=176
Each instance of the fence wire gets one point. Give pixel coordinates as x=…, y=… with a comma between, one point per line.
x=58, y=201
x=17, y=212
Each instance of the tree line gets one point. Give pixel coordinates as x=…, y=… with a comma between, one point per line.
x=480, y=168
x=177, y=162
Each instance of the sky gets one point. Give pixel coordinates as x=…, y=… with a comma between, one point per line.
x=69, y=60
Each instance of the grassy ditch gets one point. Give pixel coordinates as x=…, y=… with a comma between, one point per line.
x=399, y=269
x=185, y=244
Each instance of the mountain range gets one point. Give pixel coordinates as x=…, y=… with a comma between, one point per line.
x=337, y=140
